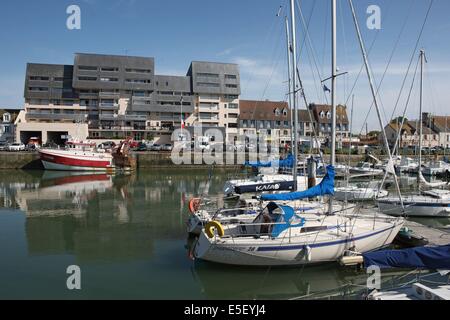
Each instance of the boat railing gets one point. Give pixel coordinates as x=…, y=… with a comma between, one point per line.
x=243, y=230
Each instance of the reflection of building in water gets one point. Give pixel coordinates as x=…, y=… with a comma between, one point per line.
x=66, y=195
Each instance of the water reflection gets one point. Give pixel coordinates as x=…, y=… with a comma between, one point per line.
x=99, y=217
x=130, y=228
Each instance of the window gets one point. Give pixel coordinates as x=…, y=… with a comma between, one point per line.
x=329, y=115
x=109, y=69
x=209, y=97
x=207, y=84
x=109, y=79
x=285, y=113
x=38, y=89
x=322, y=114
x=87, y=68
x=142, y=81
x=208, y=75
x=38, y=78
x=286, y=123
x=130, y=70
x=230, y=76
x=277, y=112
x=6, y=117
x=231, y=86
x=87, y=78
x=233, y=106
x=58, y=79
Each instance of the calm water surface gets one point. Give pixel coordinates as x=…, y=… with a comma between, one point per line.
x=128, y=235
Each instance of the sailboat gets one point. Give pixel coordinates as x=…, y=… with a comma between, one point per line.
x=281, y=236
x=431, y=203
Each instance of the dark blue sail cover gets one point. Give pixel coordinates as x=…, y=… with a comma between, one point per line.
x=326, y=187
x=285, y=163
x=433, y=258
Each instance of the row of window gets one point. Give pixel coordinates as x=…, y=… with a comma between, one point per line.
x=264, y=123
x=44, y=78
x=109, y=79
x=113, y=69
x=216, y=76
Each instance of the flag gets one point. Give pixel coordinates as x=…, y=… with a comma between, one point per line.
x=326, y=89
x=182, y=121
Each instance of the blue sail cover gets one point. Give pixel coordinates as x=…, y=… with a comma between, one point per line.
x=326, y=187
x=284, y=221
x=415, y=258
x=285, y=163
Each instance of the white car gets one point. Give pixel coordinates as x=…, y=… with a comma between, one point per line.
x=167, y=147
x=16, y=147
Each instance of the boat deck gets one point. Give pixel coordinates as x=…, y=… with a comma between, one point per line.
x=436, y=237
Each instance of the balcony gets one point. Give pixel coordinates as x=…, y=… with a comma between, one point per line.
x=112, y=95
x=109, y=106
x=127, y=117
x=56, y=116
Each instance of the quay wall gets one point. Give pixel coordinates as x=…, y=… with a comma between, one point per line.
x=30, y=160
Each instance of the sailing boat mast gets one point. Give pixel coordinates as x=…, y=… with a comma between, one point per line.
x=294, y=91
x=290, y=91
x=375, y=100
x=333, y=83
x=422, y=62
x=333, y=92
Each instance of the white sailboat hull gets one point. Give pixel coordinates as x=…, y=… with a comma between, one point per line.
x=282, y=252
x=415, y=207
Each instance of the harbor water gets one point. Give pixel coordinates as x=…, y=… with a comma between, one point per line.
x=127, y=233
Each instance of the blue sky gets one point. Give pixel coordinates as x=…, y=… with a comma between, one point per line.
x=246, y=32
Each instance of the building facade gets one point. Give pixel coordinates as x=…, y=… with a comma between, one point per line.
x=410, y=135
x=7, y=127
x=106, y=97
x=268, y=118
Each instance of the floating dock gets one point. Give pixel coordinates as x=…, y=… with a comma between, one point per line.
x=436, y=237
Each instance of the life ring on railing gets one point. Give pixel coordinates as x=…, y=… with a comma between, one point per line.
x=209, y=229
x=194, y=205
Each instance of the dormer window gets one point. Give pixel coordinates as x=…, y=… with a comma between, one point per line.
x=322, y=114
x=277, y=112
x=6, y=117
x=329, y=115
x=285, y=112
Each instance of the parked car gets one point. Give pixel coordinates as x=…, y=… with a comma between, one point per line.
x=142, y=147
x=50, y=145
x=18, y=146
x=3, y=146
x=107, y=145
x=167, y=147
x=156, y=147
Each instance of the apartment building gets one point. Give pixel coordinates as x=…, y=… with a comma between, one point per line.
x=108, y=97
x=268, y=118
x=323, y=122
x=216, y=89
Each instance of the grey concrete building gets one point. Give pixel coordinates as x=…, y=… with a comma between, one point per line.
x=108, y=97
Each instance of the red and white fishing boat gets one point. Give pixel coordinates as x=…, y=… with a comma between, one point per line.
x=77, y=156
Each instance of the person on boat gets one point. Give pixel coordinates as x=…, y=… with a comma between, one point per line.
x=266, y=227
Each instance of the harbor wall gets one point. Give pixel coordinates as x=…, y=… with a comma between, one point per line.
x=30, y=160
